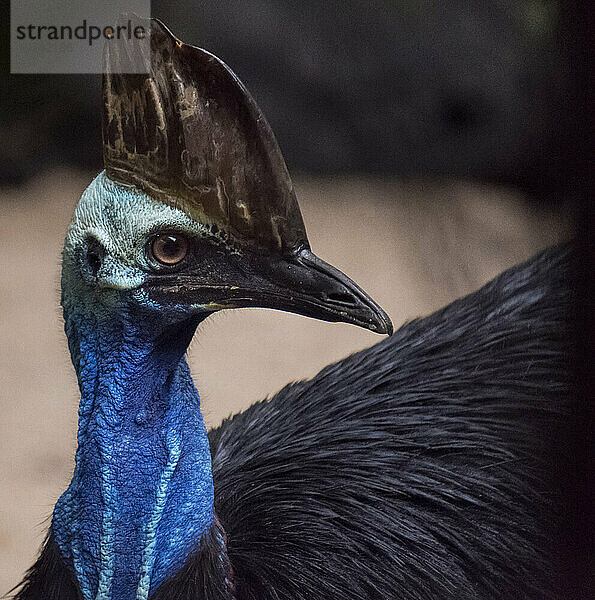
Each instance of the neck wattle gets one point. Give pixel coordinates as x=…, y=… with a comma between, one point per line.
x=141, y=494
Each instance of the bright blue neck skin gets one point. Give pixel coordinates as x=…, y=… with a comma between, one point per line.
x=142, y=491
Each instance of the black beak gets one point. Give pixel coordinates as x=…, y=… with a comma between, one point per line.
x=300, y=283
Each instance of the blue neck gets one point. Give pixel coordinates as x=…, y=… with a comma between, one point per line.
x=142, y=490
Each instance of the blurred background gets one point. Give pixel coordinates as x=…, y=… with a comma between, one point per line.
x=432, y=146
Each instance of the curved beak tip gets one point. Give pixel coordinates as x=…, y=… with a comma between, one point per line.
x=376, y=320
x=382, y=324
x=339, y=291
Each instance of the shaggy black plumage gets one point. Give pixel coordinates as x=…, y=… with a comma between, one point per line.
x=415, y=469
x=49, y=578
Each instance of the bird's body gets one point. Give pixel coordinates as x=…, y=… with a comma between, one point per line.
x=416, y=469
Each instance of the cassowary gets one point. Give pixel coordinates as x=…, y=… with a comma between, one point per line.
x=415, y=469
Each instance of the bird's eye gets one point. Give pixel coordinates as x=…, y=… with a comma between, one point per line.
x=169, y=248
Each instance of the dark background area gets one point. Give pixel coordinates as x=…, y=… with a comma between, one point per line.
x=478, y=89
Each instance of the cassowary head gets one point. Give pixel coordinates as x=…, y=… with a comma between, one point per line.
x=195, y=211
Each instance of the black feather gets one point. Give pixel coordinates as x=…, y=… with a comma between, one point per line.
x=206, y=575
x=49, y=578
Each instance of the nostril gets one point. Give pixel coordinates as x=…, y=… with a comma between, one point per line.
x=345, y=299
x=95, y=256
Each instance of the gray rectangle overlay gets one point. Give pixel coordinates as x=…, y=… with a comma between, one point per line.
x=61, y=36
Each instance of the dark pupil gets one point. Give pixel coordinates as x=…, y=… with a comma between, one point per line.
x=170, y=247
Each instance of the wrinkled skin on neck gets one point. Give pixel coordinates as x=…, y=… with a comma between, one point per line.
x=142, y=492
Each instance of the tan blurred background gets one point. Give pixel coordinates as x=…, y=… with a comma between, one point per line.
x=439, y=143
x=413, y=247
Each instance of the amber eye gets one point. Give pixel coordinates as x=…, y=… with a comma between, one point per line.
x=169, y=248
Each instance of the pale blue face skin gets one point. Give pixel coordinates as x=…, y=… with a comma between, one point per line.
x=141, y=495
x=121, y=218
